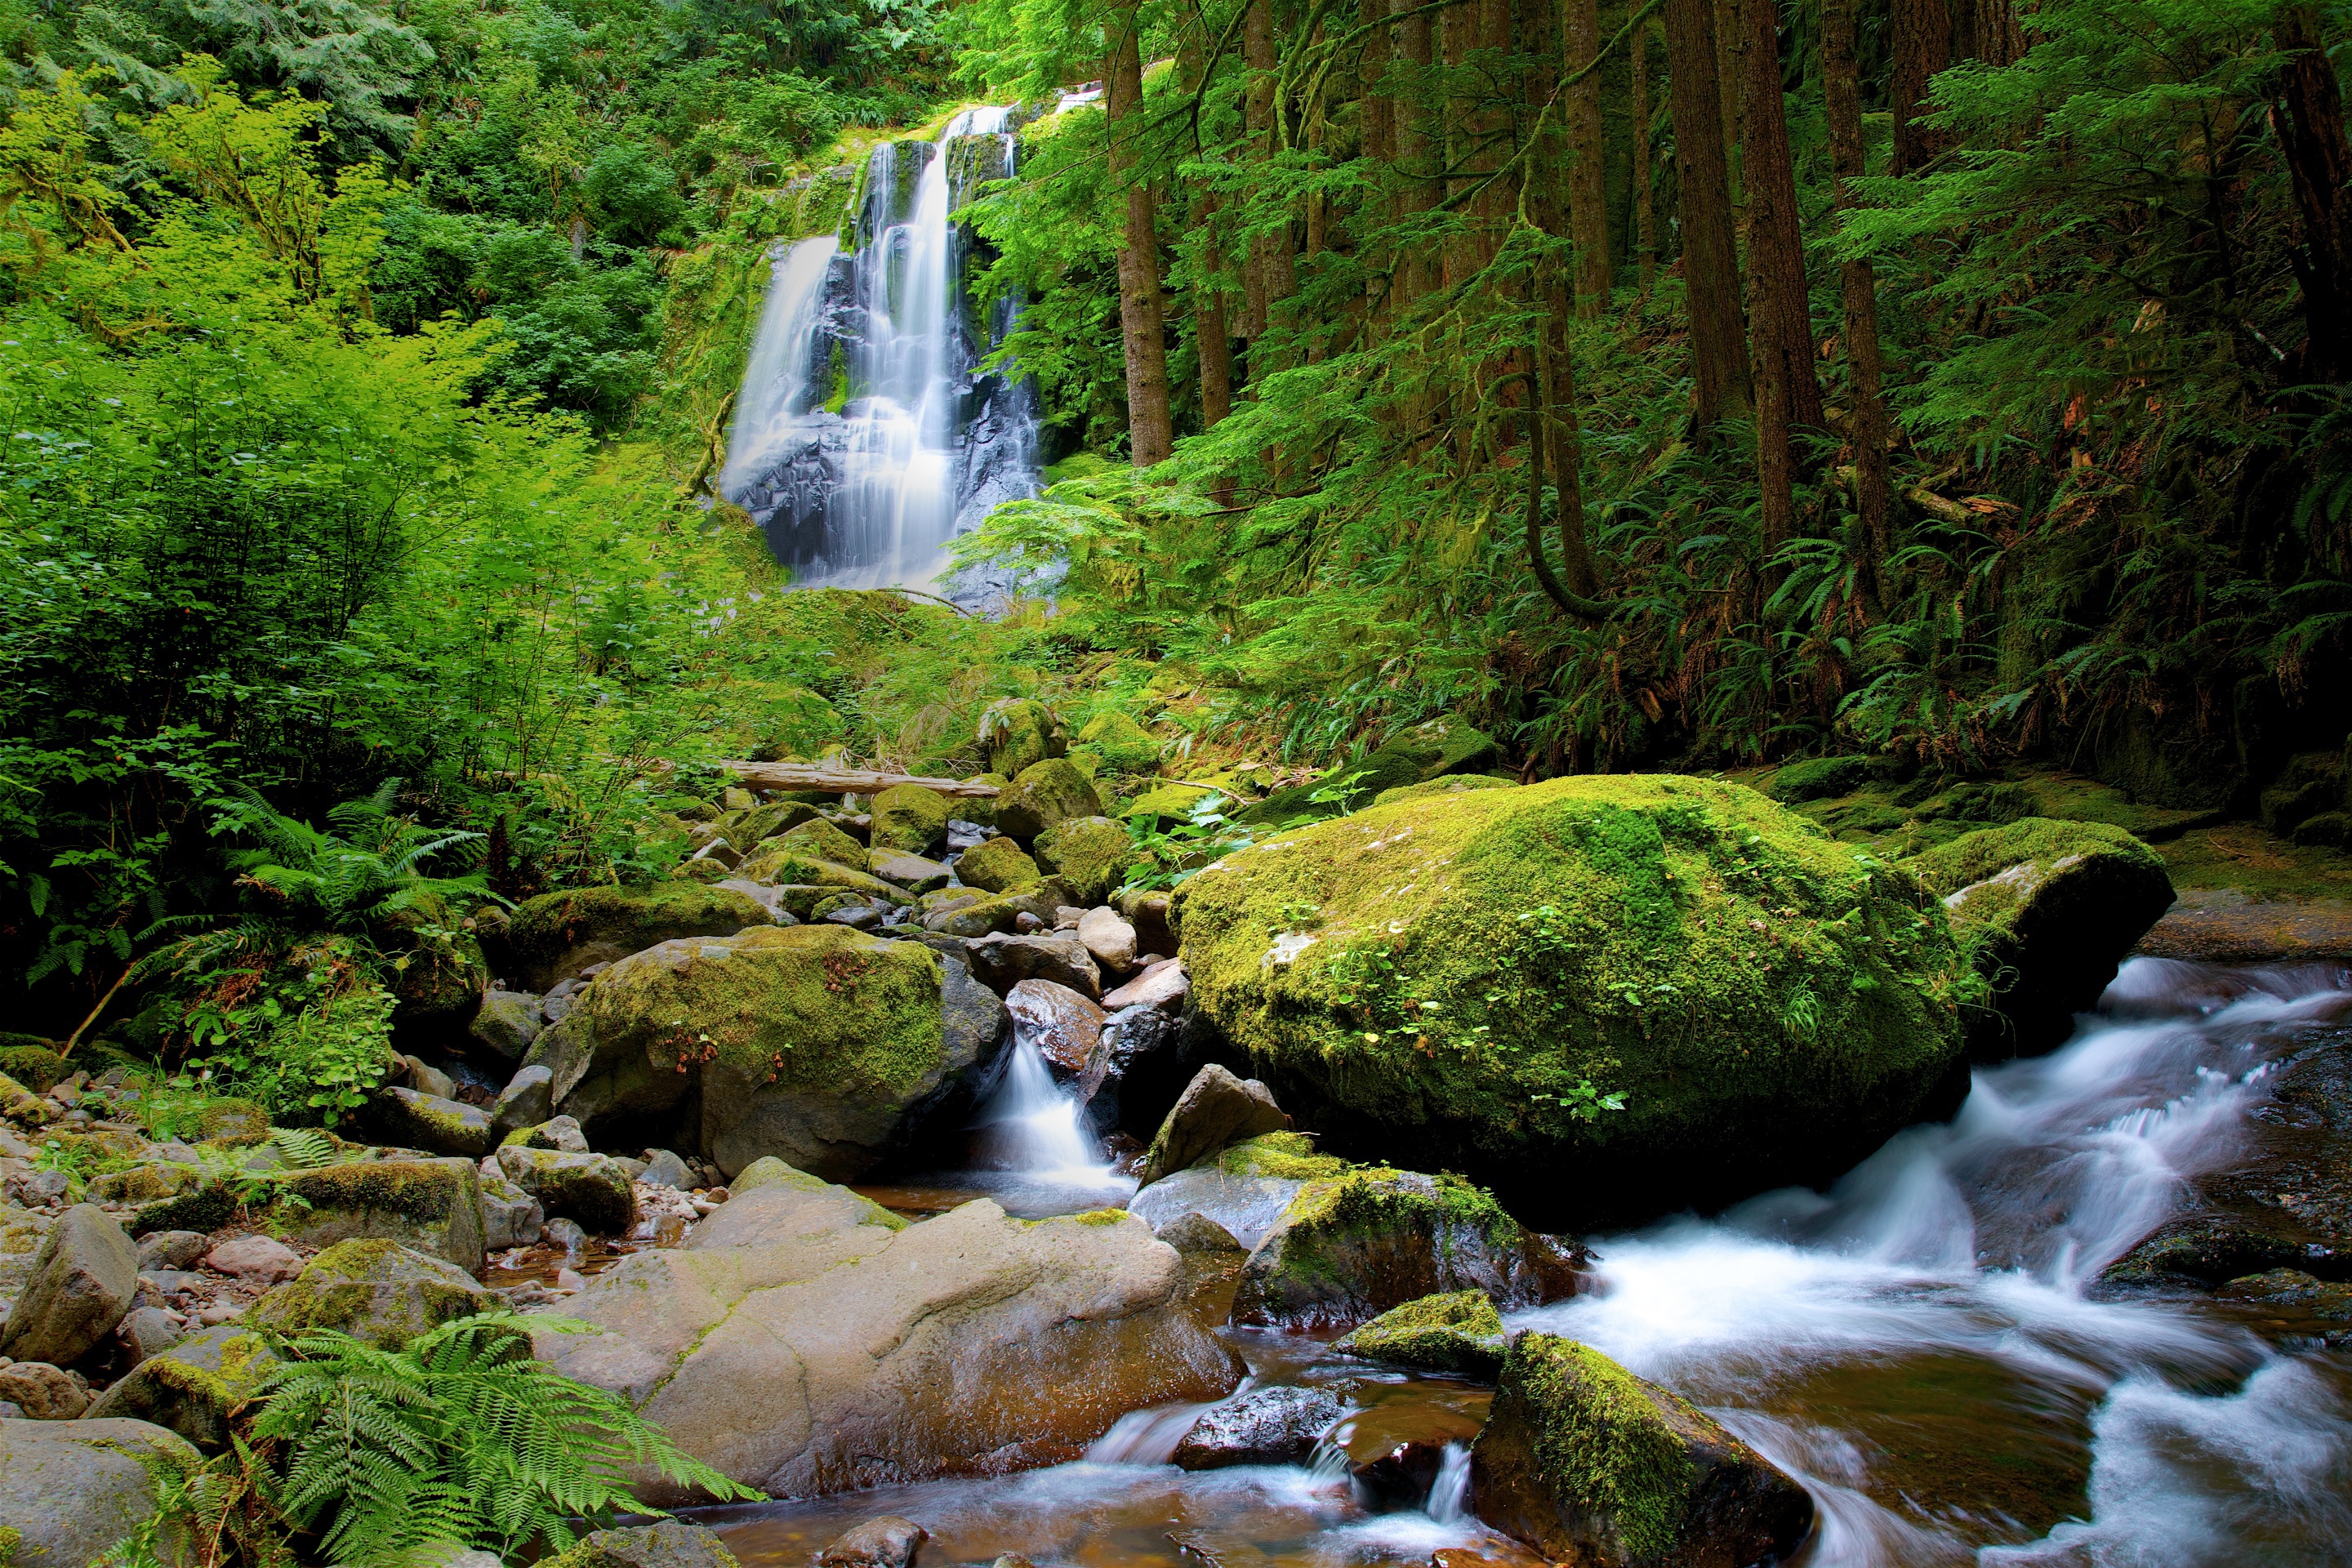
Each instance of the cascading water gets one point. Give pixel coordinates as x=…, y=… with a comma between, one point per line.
x=864, y=437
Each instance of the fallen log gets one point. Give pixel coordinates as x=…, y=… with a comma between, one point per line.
x=845, y=781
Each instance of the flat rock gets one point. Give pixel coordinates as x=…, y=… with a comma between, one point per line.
x=256, y=1259
x=1215, y=1110
x=1163, y=985
x=71, y=1490
x=1269, y=1427
x=411, y=1119
x=2224, y=925
x=1244, y=1206
x=82, y=1283
x=1001, y=962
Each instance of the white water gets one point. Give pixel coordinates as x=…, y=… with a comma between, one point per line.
x=1035, y=1126
x=1971, y=1245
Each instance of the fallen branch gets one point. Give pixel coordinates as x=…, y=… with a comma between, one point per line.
x=845, y=781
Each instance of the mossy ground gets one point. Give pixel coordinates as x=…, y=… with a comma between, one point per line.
x=1286, y=1156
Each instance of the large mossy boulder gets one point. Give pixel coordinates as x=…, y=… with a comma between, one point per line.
x=557, y=935
x=1124, y=746
x=826, y=1047
x=911, y=819
x=1460, y=982
x=71, y=1492
x=2048, y=909
x=1591, y=1465
x=191, y=1387
x=434, y=1205
x=1020, y=734
x=1431, y=750
x=1092, y=854
x=1459, y=1331
x=998, y=866
x=1044, y=796
x=790, y=864
x=379, y=1291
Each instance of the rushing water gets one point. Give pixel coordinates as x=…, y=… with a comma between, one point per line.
x=1926, y=1346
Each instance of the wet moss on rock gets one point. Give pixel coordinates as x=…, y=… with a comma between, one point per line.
x=557, y=935
x=998, y=866
x=1458, y=1331
x=1092, y=854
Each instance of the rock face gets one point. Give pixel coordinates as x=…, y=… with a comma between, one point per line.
x=82, y=1283
x=1044, y=796
x=1438, y=979
x=2049, y=908
x=1350, y=1248
x=804, y=1340
x=1216, y=1110
x=820, y=1045
x=1271, y=1426
x=379, y=1291
x=434, y=1205
x=1590, y=1465
x=1460, y=1332
x=70, y=1490
x=558, y=934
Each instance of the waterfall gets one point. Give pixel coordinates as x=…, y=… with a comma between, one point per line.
x=865, y=439
x=1032, y=1124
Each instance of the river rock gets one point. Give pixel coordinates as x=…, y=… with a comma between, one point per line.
x=191, y=1387
x=82, y=1283
x=1020, y=733
x=375, y=1291
x=147, y=1331
x=1109, y=938
x=888, y=1542
x=434, y=1205
x=1092, y=854
x=1460, y=1332
x=591, y=1188
x=747, y=830
x=664, y=1543
x=42, y=1392
x=665, y=1169
x=999, y=866
x=1350, y=1248
x=70, y=1491
x=1244, y=1190
x=1066, y=1028
x=1216, y=1110
x=817, y=839
x=410, y=1120
x=528, y=1099
x=510, y=1216
x=1162, y=987
x=428, y=1080
x=556, y=935
x=1043, y=795
x=1270, y=1426
x=172, y=1249
x=1434, y=980
x=2051, y=909
x=786, y=862
x=827, y=1048
x=1003, y=962
x=561, y=1133
x=912, y=872
x=259, y=1261
x=505, y=1024
x=911, y=818
x=969, y=1342
x=1590, y=1465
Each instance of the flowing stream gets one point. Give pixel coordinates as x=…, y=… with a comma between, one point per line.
x=1926, y=1346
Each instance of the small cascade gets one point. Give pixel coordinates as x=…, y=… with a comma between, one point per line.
x=1449, y=1494
x=1032, y=1124
x=864, y=437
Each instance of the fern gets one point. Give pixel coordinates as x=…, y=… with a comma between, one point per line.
x=303, y=1148
x=461, y=1437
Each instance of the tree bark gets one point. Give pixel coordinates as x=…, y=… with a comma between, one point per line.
x=1858, y=292
x=2311, y=132
x=1922, y=47
x=1555, y=379
x=1274, y=264
x=1211, y=334
x=1711, y=273
x=1731, y=77
x=1588, y=196
x=1417, y=144
x=1646, y=220
x=1987, y=30
x=1457, y=37
x=1788, y=395
x=1150, y=419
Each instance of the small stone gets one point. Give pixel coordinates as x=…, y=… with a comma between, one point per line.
x=42, y=1392
x=1270, y=1426
x=888, y=1542
x=564, y=1134
x=1109, y=938
x=567, y=1235
x=256, y=1259
x=570, y=1279
x=428, y=1080
x=526, y=1101
x=39, y=1189
x=664, y=1169
x=1163, y=986
x=218, y=1313
x=171, y=1249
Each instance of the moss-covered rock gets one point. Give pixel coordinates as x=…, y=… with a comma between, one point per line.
x=558, y=934
x=22, y=1106
x=593, y=1189
x=998, y=866
x=434, y=1205
x=74, y=1492
x=1042, y=795
x=1590, y=1465
x=32, y=1061
x=438, y=973
x=377, y=1290
x=1092, y=854
x=1459, y=1331
x=1167, y=802
x=409, y=1119
x=665, y=1543
x=191, y=1387
x=911, y=817
x=816, y=839
x=1425, y=751
x=1440, y=980
x=2048, y=910
x=1457, y=783
x=1020, y=734
x=1124, y=746
x=148, y=1183
x=1819, y=778
x=914, y=873
x=787, y=863
x=746, y=829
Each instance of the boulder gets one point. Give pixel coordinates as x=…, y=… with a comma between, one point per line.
x=1043, y=795
x=434, y=1205
x=528, y=1099
x=147, y=1331
x=998, y=866
x=1244, y=1190
x=379, y=1291
x=663, y=1544
x=818, y=839
x=427, y=1079
x=1269, y=1427
x=1459, y=982
x=71, y=1491
x=1588, y=1464
x=1216, y=1110
x=594, y=1189
x=976, y=917
x=888, y=1542
x=1124, y=746
x=811, y=879
x=1142, y=1074
x=557, y=1133
x=1457, y=783
x=2048, y=910
x=665, y=1169
x=1103, y=932
x=1066, y=1028
x=1163, y=986
x=1819, y=778
x=1431, y=750
x=82, y=1283
x=911, y=872
x=556, y=935
x=1000, y=963
x=172, y=1249
x=1349, y=1247
x=409, y=1119
x=510, y=1216
x=439, y=973
x=829, y=1048
x=1019, y=733
x=44, y=1392
x=1090, y=853
x=191, y=1387
x=911, y=818
x=1460, y=1332
x=969, y=1342
x=258, y=1260
x=745, y=829
x=507, y=1024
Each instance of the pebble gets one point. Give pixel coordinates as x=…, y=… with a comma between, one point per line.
x=219, y=1312
x=257, y=1260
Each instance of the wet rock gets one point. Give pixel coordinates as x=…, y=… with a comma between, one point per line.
x=70, y=1491
x=410, y=1120
x=1092, y=854
x=1044, y=796
x=82, y=1283
x=1244, y=1190
x=1109, y=938
x=1066, y=1028
x=2297, y=1298
x=1000, y=963
x=1149, y=913
x=147, y=1331
x=2225, y=925
x=1400, y=1476
x=567, y=1235
x=42, y=1392
x=999, y=866
x=664, y=1543
x=1216, y=1109
x=379, y=1291
x=191, y=1387
x=667, y=1170
x=591, y=1188
x=257, y=1260
x=1460, y=1332
x=528, y=1099
x=912, y=872
x=1270, y=1426
x=172, y=1249
x=2051, y=909
x=888, y=1542
x=1588, y=1464
x=426, y=1080
x=557, y=935
x=1162, y=987
x=434, y=1205
x=1350, y=1248
x=911, y=819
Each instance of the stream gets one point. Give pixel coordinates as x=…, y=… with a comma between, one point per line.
x=1926, y=1346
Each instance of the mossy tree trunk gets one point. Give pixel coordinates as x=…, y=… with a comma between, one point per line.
x=1150, y=421
x=1858, y=293
x=1588, y=196
x=1787, y=396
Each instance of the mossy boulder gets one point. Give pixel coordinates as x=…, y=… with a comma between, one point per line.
x=664, y=1543
x=1427, y=750
x=410, y=1118
x=558, y=934
x=1167, y=802
x=438, y=971
x=787, y=863
x=816, y=839
x=1457, y=783
x=434, y=1205
x=745, y=829
x=376, y=1291
x=911, y=817
x=1124, y=746
x=1020, y=734
x=593, y=1189
x=74, y=1492
x=1043, y=796
x=2048, y=910
x=1455, y=982
x=1818, y=778
x=914, y=873
x=1244, y=1190
x=1459, y=1331
x=820, y=1045
x=191, y=1388
x=1591, y=1465
x=32, y=1061
x=998, y=866
x=1092, y=854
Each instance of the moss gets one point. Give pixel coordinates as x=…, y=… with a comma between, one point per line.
x=1167, y=802
x=1460, y=783
x=205, y=1209
x=1124, y=746
x=1286, y=1156
x=145, y=1185
x=421, y=1192
x=31, y=1063
x=21, y=1104
x=821, y=840
x=1024, y=734
x=234, y=1118
x=1090, y=853
x=1043, y=795
x=1599, y=1442
x=999, y=866
x=834, y=903
x=371, y=1288
x=1372, y=1199
x=1819, y=778
x=785, y=862
x=1428, y=750
x=744, y=829
x=555, y=933
x=1458, y=1331
x=1098, y=1217
x=910, y=817
x=1974, y=856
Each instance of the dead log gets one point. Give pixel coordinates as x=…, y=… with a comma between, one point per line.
x=845, y=781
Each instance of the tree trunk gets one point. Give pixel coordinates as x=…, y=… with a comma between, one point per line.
x=1787, y=396
x=1987, y=30
x=1710, y=272
x=1858, y=290
x=1151, y=424
x=1922, y=47
x=1588, y=194
x=1731, y=77
x=1417, y=145
x=1555, y=388
x=1211, y=334
x=2311, y=132
x=1273, y=267
x=1646, y=220
x=1457, y=37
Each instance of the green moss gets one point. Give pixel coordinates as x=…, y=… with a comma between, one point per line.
x=31, y=1063
x=1457, y=1332
x=786, y=862
x=1371, y=1200
x=233, y=1119
x=548, y=934
x=422, y=1192
x=1600, y=1441
x=1428, y=750
x=371, y=1288
x=1460, y=783
x=821, y=840
x=999, y=866
x=1167, y=802
x=910, y=817
x=1124, y=746
x=1090, y=853
x=1020, y=734
x=1973, y=857
x=205, y=1209
x=1287, y=1156
x=1820, y=777
x=1043, y=795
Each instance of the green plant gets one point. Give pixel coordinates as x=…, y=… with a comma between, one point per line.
x=365, y=867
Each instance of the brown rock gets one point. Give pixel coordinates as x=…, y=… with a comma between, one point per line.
x=888, y=1542
x=42, y=1392
x=1066, y=1028
x=1216, y=1110
x=1163, y=985
x=1000, y=963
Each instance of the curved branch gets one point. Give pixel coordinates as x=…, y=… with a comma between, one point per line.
x=1560, y=593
